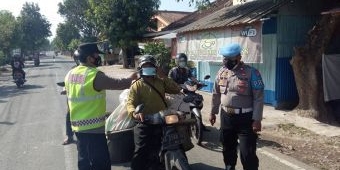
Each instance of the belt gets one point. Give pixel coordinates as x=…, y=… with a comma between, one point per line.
x=231, y=110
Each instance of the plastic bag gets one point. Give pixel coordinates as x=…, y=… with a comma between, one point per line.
x=119, y=118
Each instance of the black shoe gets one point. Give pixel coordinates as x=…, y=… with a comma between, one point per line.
x=68, y=141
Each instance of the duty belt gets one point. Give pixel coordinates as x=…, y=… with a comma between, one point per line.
x=232, y=110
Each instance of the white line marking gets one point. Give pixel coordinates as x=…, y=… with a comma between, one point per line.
x=295, y=167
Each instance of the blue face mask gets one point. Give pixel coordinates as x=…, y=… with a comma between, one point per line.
x=182, y=64
x=149, y=71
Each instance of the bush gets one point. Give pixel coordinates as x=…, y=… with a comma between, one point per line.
x=161, y=53
x=3, y=59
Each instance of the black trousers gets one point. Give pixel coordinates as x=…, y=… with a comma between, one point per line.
x=93, y=153
x=19, y=70
x=147, y=147
x=69, y=132
x=238, y=126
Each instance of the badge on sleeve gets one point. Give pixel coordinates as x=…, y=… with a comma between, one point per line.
x=256, y=80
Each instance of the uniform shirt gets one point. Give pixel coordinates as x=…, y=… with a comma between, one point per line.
x=180, y=75
x=104, y=82
x=241, y=87
x=141, y=93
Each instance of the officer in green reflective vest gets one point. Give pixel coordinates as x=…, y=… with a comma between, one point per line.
x=85, y=87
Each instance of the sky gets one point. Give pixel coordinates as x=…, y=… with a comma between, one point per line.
x=49, y=8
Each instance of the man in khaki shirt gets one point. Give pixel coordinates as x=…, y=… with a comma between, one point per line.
x=148, y=131
x=238, y=96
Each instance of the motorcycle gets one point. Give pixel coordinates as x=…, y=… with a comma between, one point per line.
x=196, y=105
x=18, y=79
x=176, y=129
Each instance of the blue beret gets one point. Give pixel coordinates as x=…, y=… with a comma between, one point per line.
x=230, y=50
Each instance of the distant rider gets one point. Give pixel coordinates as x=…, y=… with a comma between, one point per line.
x=181, y=73
x=17, y=65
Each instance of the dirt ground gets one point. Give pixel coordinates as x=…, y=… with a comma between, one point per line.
x=319, y=151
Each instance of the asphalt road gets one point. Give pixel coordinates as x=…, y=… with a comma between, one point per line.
x=32, y=127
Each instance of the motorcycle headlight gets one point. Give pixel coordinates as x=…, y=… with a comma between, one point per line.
x=191, y=88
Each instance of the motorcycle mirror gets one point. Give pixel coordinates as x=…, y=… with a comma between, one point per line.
x=206, y=77
x=139, y=108
x=61, y=84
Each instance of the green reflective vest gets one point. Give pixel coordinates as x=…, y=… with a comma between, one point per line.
x=87, y=106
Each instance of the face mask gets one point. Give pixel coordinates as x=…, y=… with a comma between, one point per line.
x=97, y=61
x=230, y=64
x=149, y=71
x=182, y=64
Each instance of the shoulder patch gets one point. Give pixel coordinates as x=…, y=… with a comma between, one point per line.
x=256, y=80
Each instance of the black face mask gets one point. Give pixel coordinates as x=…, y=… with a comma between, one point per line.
x=97, y=61
x=230, y=64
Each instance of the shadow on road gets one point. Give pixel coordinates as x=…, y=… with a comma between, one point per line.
x=7, y=123
x=13, y=90
x=267, y=143
x=201, y=166
x=211, y=139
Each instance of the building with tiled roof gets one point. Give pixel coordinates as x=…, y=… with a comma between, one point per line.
x=164, y=18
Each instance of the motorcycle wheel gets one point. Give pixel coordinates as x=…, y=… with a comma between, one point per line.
x=18, y=84
x=197, y=131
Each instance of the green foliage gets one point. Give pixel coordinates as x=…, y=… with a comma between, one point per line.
x=8, y=29
x=2, y=58
x=34, y=27
x=66, y=32
x=74, y=44
x=161, y=53
x=199, y=4
x=78, y=13
x=122, y=22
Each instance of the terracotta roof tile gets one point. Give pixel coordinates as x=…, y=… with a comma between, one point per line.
x=171, y=16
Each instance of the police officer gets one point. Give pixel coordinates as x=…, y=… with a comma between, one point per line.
x=181, y=73
x=238, y=96
x=85, y=88
x=150, y=91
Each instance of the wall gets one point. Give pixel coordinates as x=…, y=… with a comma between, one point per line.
x=205, y=45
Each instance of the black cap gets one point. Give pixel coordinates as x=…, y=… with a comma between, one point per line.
x=87, y=49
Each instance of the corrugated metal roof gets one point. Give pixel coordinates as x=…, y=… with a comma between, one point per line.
x=234, y=15
x=198, y=14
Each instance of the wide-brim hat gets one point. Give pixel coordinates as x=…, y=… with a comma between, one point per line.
x=230, y=50
x=86, y=49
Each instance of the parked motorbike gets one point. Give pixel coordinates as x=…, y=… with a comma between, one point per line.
x=18, y=79
x=176, y=129
x=196, y=104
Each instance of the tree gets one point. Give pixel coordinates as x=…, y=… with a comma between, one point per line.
x=8, y=29
x=307, y=67
x=162, y=54
x=66, y=32
x=34, y=27
x=75, y=12
x=123, y=22
x=199, y=4
x=73, y=45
